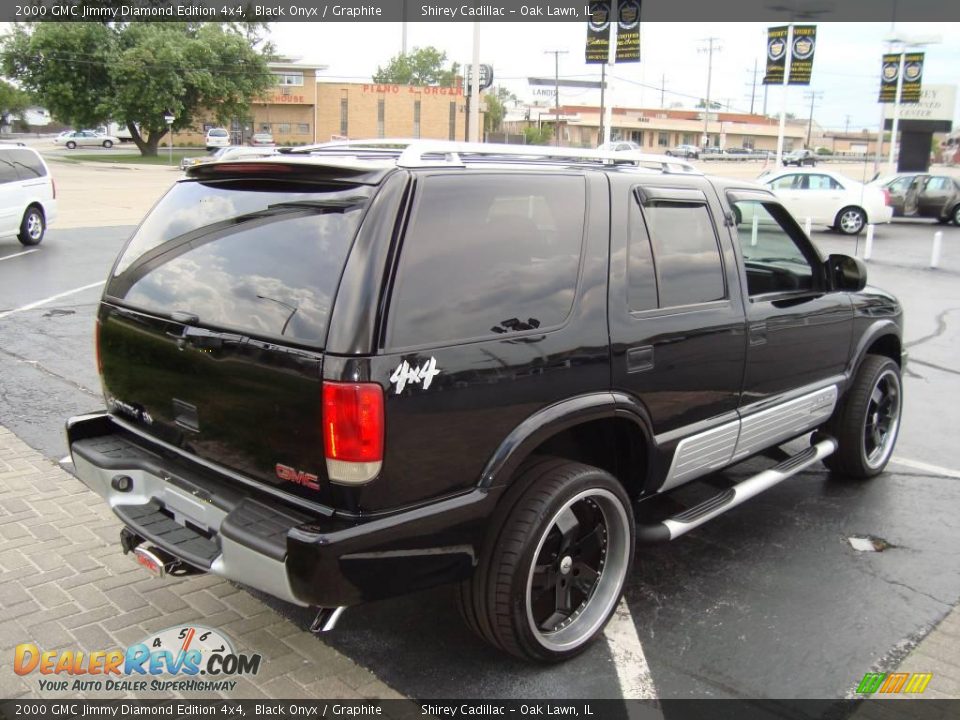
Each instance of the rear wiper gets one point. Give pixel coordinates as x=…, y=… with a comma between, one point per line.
x=328, y=205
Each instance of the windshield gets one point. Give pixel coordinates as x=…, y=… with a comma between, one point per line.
x=262, y=258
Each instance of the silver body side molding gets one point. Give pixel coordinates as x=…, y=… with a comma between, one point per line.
x=757, y=427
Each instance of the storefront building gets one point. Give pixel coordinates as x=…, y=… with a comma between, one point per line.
x=369, y=110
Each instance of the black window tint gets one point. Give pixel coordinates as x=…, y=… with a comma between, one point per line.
x=774, y=262
x=641, y=274
x=488, y=255
x=225, y=256
x=28, y=164
x=8, y=171
x=687, y=255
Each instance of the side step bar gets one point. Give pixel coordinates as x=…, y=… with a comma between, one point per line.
x=682, y=523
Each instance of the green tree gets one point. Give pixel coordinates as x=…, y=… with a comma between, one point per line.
x=496, y=100
x=89, y=73
x=422, y=66
x=13, y=101
x=538, y=136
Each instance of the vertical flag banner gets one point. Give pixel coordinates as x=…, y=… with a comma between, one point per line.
x=888, y=78
x=912, y=76
x=598, y=33
x=801, y=55
x=776, y=55
x=628, y=31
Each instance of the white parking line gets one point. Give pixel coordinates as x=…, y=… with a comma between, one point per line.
x=636, y=683
x=920, y=465
x=25, y=252
x=50, y=299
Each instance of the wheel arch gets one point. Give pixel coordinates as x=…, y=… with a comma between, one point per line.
x=882, y=338
x=605, y=430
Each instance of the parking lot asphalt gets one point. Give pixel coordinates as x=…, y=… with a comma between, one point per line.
x=769, y=600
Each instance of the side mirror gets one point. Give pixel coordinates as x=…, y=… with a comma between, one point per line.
x=847, y=273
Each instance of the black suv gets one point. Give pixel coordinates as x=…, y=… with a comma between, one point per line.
x=344, y=373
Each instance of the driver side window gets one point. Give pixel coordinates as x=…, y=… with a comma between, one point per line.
x=774, y=262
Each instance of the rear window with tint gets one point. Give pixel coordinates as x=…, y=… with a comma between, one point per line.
x=488, y=256
x=217, y=133
x=261, y=258
x=28, y=164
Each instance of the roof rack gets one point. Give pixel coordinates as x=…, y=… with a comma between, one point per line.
x=438, y=153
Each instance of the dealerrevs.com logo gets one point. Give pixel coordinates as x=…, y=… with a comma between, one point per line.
x=170, y=660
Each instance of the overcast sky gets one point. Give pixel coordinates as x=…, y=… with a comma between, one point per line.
x=846, y=67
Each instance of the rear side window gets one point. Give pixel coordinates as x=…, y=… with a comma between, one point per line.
x=8, y=171
x=27, y=163
x=687, y=254
x=488, y=255
x=260, y=258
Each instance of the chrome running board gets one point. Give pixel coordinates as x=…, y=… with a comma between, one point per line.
x=682, y=523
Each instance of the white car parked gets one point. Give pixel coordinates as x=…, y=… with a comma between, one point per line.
x=217, y=138
x=27, y=194
x=79, y=138
x=829, y=198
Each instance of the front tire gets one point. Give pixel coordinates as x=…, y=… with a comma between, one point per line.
x=850, y=221
x=556, y=571
x=71, y=145
x=108, y=144
x=32, y=226
x=867, y=424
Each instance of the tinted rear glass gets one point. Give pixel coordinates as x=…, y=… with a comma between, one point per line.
x=28, y=164
x=258, y=257
x=8, y=171
x=488, y=256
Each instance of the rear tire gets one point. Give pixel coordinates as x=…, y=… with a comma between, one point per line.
x=108, y=144
x=32, y=226
x=71, y=145
x=553, y=571
x=850, y=220
x=867, y=424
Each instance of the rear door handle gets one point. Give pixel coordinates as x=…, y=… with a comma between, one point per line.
x=640, y=359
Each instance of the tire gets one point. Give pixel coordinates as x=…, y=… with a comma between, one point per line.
x=668, y=153
x=71, y=145
x=850, y=220
x=32, y=226
x=867, y=424
x=553, y=569
x=955, y=215
x=108, y=144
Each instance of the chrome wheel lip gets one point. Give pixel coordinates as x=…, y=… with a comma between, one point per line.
x=589, y=618
x=879, y=456
x=34, y=226
x=851, y=221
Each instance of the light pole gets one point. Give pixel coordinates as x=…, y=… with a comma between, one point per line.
x=904, y=44
x=556, y=93
x=709, y=49
x=169, y=117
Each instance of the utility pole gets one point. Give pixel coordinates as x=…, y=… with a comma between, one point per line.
x=556, y=92
x=846, y=124
x=712, y=44
x=663, y=89
x=753, y=86
x=474, y=113
x=814, y=96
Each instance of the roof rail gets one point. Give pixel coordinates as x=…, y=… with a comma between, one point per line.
x=439, y=153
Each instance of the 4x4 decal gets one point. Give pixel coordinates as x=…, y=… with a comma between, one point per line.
x=421, y=373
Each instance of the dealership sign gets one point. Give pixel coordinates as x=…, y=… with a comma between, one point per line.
x=937, y=102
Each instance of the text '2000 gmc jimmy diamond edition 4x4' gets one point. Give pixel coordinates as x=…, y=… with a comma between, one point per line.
x=351, y=371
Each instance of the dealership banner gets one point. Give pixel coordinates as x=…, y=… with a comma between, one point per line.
x=801, y=54
x=628, y=31
x=912, y=76
x=598, y=33
x=776, y=54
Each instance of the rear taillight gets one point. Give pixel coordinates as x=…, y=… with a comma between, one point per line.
x=887, y=199
x=352, y=431
x=96, y=346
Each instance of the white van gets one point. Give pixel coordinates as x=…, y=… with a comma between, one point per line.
x=28, y=194
x=217, y=138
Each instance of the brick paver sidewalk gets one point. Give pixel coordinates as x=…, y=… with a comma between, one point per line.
x=65, y=585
